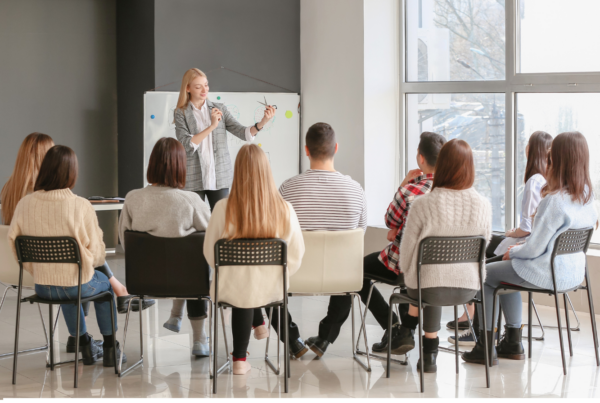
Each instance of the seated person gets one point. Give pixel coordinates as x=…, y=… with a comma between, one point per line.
x=20, y=184
x=453, y=208
x=61, y=213
x=567, y=203
x=537, y=152
x=324, y=200
x=385, y=264
x=254, y=209
x=164, y=210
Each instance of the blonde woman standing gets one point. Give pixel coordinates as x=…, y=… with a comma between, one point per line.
x=254, y=209
x=202, y=126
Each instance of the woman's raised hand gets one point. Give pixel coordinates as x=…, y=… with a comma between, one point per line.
x=215, y=117
x=269, y=113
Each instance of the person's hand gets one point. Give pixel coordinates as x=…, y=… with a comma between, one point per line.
x=215, y=117
x=412, y=174
x=269, y=113
x=510, y=233
x=507, y=254
x=391, y=235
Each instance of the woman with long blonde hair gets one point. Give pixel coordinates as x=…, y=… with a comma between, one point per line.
x=202, y=126
x=20, y=184
x=254, y=209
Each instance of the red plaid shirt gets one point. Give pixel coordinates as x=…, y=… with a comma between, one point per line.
x=395, y=217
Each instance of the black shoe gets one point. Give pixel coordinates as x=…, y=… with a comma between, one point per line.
x=476, y=356
x=430, y=352
x=510, y=345
x=382, y=346
x=298, y=348
x=317, y=345
x=123, y=303
x=109, y=359
x=90, y=353
x=464, y=325
x=71, y=344
x=404, y=341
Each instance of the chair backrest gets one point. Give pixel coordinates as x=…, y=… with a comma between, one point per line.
x=332, y=263
x=450, y=250
x=9, y=267
x=572, y=241
x=166, y=267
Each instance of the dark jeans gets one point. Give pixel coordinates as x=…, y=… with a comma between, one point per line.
x=242, y=321
x=340, y=306
x=438, y=296
x=99, y=283
x=213, y=196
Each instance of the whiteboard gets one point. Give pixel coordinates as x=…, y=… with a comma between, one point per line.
x=280, y=138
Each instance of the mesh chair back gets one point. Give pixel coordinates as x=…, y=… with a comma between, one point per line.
x=446, y=250
x=166, y=267
x=251, y=252
x=31, y=249
x=573, y=241
x=9, y=267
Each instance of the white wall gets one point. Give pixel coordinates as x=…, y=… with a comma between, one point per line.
x=332, y=77
x=381, y=139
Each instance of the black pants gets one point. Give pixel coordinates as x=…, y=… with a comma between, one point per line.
x=340, y=306
x=242, y=321
x=293, y=331
x=195, y=308
x=213, y=196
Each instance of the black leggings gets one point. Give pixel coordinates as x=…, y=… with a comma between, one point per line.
x=242, y=321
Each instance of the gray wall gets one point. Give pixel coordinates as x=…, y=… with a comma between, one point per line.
x=58, y=76
x=260, y=38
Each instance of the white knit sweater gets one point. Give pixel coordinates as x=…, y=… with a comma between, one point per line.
x=59, y=213
x=445, y=213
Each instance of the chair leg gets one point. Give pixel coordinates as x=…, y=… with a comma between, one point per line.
x=499, y=325
x=268, y=361
x=592, y=315
x=364, y=318
x=16, y=352
x=215, y=350
x=77, y=334
x=286, y=345
x=229, y=359
x=470, y=320
x=529, y=322
x=560, y=336
x=568, y=325
x=455, y=337
x=52, y=330
x=211, y=340
x=422, y=366
x=389, y=349
x=114, y=333
x=537, y=315
x=495, y=303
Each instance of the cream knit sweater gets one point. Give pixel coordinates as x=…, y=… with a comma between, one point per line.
x=444, y=213
x=59, y=213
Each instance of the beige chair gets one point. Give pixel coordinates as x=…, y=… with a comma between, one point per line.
x=9, y=278
x=332, y=265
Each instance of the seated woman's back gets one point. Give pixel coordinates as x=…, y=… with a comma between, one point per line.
x=163, y=209
x=452, y=209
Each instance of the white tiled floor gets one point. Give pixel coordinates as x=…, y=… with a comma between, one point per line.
x=171, y=371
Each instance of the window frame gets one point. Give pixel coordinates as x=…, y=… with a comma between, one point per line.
x=513, y=84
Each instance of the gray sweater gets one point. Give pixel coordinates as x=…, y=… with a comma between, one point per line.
x=164, y=212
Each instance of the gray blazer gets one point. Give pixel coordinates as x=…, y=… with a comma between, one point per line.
x=186, y=128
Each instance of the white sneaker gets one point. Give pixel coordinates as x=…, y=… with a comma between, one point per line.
x=201, y=349
x=261, y=332
x=241, y=367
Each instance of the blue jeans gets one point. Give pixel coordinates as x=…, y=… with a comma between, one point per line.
x=99, y=283
x=512, y=305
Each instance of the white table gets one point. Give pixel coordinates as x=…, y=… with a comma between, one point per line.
x=108, y=207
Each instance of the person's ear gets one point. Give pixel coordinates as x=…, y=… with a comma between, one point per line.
x=307, y=152
x=336, y=149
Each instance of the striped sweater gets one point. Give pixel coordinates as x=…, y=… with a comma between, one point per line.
x=326, y=201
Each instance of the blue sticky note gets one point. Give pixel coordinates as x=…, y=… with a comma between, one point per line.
x=151, y=116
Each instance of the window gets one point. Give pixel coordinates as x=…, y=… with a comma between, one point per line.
x=455, y=40
x=559, y=36
x=494, y=71
x=558, y=113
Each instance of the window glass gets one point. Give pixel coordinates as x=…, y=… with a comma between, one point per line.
x=455, y=40
x=476, y=118
x=555, y=114
x=559, y=36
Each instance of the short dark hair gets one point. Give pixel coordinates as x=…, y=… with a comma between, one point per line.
x=320, y=140
x=58, y=170
x=430, y=146
x=167, y=165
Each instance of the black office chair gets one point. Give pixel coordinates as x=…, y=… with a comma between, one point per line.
x=440, y=251
x=251, y=252
x=569, y=242
x=164, y=268
x=55, y=250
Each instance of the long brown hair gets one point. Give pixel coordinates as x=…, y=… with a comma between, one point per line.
x=255, y=208
x=569, y=169
x=167, y=166
x=454, y=168
x=59, y=170
x=21, y=182
x=538, y=154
